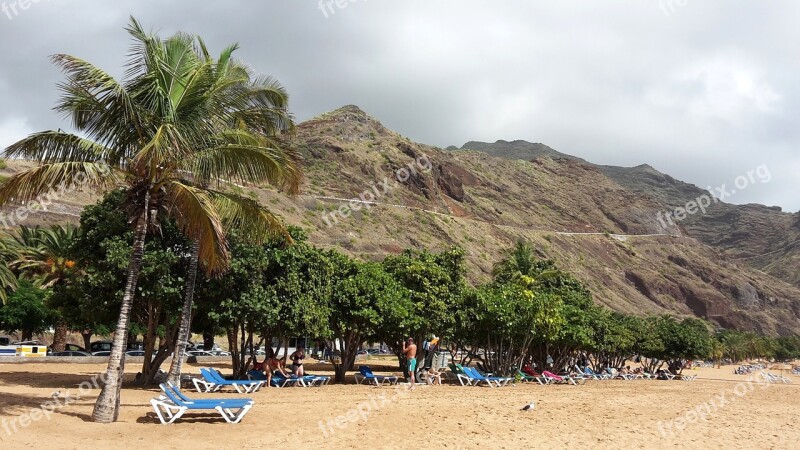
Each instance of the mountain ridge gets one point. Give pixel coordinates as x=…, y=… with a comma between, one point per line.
x=485, y=204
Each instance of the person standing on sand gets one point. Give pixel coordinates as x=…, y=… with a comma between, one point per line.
x=410, y=351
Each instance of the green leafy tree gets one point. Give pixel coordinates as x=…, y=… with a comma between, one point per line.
x=26, y=311
x=363, y=298
x=274, y=290
x=436, y=285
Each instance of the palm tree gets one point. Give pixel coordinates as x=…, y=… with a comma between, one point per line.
x=255, y=224
x=42, y=255
x=161, y=133
x=521, y=266
x=42, y=258
x=8, y=254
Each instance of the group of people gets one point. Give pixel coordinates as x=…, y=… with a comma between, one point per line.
x=272, y=364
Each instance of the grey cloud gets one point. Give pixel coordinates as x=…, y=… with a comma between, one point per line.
x=704, y=93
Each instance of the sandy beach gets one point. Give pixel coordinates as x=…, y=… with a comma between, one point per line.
x=717, y=410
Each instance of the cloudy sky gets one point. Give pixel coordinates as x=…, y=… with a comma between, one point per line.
x=705, y=90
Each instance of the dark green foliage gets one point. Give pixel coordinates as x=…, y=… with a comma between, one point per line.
x=26, y=311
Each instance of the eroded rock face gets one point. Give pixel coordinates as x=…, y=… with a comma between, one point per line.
x=748, y=296
x=450, y=182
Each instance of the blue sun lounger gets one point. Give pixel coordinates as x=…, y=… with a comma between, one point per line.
x=365, y=374
x=173, y=405
x=212, y=382
x=491, y=381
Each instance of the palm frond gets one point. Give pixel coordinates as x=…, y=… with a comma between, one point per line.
x=58, y=146
x=97, y=103
x=54, y=179
x=194, y=212
x=242, y=163
x=250, y=219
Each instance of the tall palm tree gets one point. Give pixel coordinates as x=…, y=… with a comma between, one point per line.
x=269, y=95
x=160, y=133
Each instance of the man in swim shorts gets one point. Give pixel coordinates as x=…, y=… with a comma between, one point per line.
x=410, y=350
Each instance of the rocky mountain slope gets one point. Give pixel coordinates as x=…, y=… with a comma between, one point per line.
x=764, y=237
x=371, y=192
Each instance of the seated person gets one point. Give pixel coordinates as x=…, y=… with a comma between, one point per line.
x=528, y=370
x=434, y=376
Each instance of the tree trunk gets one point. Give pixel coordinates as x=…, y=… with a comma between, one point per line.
x=60, y=335
x=208, y=340
x=87, y=339
x=106, y=409
x=186, y=317
x=27, y=335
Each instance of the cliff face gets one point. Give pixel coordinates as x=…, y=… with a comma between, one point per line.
x=371, y=192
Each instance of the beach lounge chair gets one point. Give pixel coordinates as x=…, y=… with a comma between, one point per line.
x=558, y=379
x=365, y=374
x=280, y=381
x=589, y=373
x=212, y=382
x=462, y=377
x=526, y=377
x=173, y=405
x=478, y=378
x=316, y=380
x=665, y=375
x=573, y=379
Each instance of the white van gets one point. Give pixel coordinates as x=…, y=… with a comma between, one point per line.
x=30, y=349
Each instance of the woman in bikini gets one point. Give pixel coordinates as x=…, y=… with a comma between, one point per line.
x=297, y=362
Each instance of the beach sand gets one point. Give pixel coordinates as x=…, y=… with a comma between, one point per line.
x=620, y=414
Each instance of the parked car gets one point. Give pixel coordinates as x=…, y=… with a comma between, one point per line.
x=198, y=353
x=71, y=353
x=105, y=346
x=135, y=353
x=103, y=353
x=220, y=353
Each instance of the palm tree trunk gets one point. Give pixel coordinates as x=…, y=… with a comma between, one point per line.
x=106, y=409
x=60, y=335
x=186, y=317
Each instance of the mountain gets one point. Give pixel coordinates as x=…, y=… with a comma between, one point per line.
x=371, y=192
x=766, y=238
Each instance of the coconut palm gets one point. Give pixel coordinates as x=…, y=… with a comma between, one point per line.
x=162, y=133
x=269, y=95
